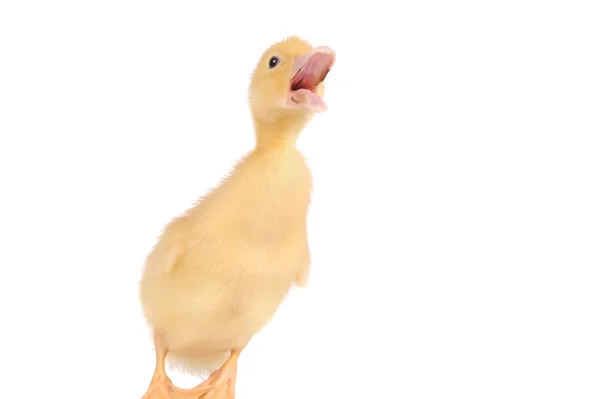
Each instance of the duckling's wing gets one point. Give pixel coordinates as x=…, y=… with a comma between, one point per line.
x=164, y=256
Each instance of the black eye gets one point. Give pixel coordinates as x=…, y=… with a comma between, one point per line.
x=273, y=62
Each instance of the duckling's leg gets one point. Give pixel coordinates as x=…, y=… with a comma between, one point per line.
x=159, y=386
x=220, y=384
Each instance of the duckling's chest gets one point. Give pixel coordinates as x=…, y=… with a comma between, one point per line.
x=276, y=199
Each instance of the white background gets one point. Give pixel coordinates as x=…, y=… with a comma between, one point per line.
x=455, y=225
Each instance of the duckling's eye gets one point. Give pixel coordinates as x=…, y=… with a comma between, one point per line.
x=273, y=62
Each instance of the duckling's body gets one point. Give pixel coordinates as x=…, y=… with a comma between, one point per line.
x=219, y=272
x=231, y=259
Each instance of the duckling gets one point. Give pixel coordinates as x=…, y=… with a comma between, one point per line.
x=219, y=272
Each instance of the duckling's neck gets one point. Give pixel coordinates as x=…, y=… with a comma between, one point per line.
x=279, y=132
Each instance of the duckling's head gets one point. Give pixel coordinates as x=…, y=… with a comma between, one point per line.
x=287, y=86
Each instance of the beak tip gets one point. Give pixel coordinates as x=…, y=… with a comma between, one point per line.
x=326, y=50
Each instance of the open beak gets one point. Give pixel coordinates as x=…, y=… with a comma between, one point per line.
x=310, y=70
